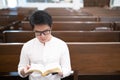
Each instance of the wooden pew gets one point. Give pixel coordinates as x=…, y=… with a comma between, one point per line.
x=79, y=26
x=90, y=58
x=60, y=11
x=66, y=12
x=117, y=26
x=9, y=56
x=9, y=59
x=25, y=12
x=75, y=18
x=109, y=18
x=88, y=36
x=96, y=3
x=7, y=19
x=68, y=36
x=98, y=11
x=12, y=36
x=72, y=25
x=96, y=61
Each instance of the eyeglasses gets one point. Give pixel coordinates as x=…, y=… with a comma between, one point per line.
x=45, y=32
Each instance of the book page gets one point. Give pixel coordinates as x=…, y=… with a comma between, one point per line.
x=44, y=70
x=53, y=70
x=37, y=68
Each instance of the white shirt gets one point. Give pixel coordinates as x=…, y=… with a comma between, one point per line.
x=54, y=52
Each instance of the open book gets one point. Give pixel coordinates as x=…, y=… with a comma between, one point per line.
x=44, y=70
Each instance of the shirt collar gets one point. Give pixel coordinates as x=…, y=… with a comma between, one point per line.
x=46, y=43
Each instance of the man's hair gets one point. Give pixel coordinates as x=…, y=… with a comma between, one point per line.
x=40, y=18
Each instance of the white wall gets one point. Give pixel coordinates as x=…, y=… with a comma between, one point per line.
x=22, y=3
x=114, y=3
x=42, y=6
x=75, y=5
x=2, y=4
x=12, y=3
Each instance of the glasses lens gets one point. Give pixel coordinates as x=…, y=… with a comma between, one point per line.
x=46, y=32
x=39, y=33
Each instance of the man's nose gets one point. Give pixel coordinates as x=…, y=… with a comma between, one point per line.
x=42, y=35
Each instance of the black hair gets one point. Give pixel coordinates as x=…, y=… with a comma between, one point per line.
x=40, y=17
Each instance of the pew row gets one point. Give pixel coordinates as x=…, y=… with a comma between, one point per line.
x=117, y=26
x=95, y=61
x=9, y=59
x=95, y=57
x=102, y=12
x=67, y=36
x=66, y=12
x=76, y=18
x=89, y=58
x=109, y=19
x=72, y=25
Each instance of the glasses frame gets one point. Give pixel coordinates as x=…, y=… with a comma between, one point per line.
x=45, y=32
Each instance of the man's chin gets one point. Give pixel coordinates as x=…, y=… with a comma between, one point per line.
x=42, y=41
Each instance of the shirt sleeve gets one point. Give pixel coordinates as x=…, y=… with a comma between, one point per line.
x=24, y=60
x=65, y=61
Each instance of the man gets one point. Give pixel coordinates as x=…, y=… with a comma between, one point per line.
x=44, y=50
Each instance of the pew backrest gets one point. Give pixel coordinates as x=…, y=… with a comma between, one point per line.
x=109, y=18
x=17, y=36
x=79, y=26
x=88, y=58
x=67, y=36
x=117, y=26
x=76, y=18
x=72, y=25
x=9, y=56
x=95, y=58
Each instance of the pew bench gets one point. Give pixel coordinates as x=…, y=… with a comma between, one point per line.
x=109, y=18
x=9, y=59
x=71, y=25
x=89, y=60
x=67, y=36
x=76, y=18
x=117, y=26
x=66, y=12
x=79, y=26
x=95, y=60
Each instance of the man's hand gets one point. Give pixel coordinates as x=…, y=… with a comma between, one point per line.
x=24, y=70
x=60, y=74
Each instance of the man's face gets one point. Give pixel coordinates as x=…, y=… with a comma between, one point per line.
x=42, y=32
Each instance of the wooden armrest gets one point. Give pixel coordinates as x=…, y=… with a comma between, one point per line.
x=75, y=75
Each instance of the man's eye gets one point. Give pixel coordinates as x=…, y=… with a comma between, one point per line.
x=46, y=32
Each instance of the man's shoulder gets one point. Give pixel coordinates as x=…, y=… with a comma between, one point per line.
x=59, y=41
x=30, y=42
